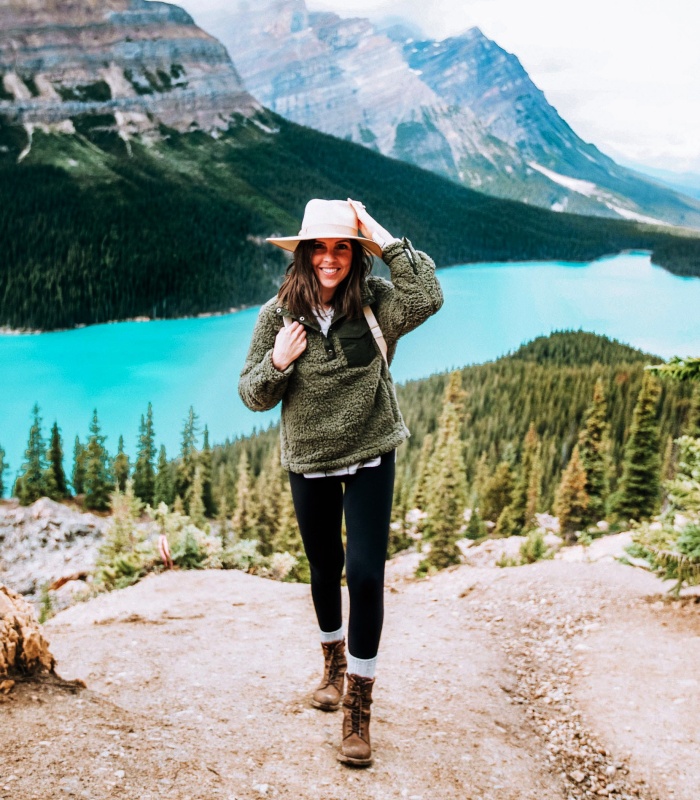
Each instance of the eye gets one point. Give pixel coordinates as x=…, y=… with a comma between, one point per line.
x=343, y=246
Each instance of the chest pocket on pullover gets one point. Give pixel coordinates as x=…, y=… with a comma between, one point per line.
x=357, y=342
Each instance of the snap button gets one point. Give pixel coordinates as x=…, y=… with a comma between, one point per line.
x=279, y=310
x=301, y=319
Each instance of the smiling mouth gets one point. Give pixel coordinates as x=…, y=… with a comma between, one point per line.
x=329, y=271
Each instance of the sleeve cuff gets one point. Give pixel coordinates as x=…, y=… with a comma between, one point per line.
x=271, y=372
x=401, y=247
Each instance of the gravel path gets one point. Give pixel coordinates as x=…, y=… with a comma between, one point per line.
x=558, y=680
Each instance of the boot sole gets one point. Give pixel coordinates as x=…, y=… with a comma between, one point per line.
x=354, y=762
x=325, y=706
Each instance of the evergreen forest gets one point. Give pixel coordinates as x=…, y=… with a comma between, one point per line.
x=95, y=229
x=571, y=423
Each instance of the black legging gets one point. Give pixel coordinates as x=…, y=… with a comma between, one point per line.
x=319, y=505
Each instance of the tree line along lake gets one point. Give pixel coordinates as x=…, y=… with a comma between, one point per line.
x=490, y=309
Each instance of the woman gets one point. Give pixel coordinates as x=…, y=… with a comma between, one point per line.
x=313, y=349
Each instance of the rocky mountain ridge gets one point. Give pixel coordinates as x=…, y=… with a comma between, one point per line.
x=462, y=107
x=127, y=66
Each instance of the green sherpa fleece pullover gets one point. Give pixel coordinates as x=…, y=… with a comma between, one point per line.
x=338, y=399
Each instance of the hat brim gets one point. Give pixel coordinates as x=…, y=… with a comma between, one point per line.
x=289, y=243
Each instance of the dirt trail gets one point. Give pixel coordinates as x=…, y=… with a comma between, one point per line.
x=558, y=680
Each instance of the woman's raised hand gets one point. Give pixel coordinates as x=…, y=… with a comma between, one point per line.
x=290, y=343
x=369, y=226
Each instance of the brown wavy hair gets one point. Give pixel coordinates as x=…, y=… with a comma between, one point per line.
x=300, y=291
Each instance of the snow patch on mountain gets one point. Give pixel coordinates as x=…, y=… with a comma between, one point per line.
x=627, y=213
x=586, y=188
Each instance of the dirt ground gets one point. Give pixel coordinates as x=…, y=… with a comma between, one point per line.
x=555, y=680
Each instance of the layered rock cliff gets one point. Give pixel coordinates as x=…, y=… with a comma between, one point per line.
x=123, y=65
x=462, y=107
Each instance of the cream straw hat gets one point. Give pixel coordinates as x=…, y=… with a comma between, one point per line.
x=328, y=219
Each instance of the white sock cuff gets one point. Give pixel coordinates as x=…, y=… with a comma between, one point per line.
x=364, y=667
x=333, y=636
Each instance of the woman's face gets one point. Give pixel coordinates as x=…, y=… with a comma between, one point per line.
x=331, y=260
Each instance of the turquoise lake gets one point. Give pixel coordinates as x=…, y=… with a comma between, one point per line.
x=490, y=309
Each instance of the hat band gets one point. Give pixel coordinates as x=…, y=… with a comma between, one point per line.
x=326, y=231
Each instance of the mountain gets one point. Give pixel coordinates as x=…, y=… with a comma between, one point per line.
x=122, y=67
x=462, y=107
x=686, y=182
x=120, y=203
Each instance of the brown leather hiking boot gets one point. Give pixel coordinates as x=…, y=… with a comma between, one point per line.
x=329, y=692
x=356, y=749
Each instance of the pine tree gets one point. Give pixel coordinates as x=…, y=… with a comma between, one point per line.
x=224, y=487
x=57, y=487
x=184, y=473
x=224, y=525
x=268, y=490
x=507, y=523
x=121, y=467
x=497, y=492
x=475, y=527
x=420, y=491
x=481, y=479
x=399, y=538
x=594, y=447
x=204, y=462
x=446, y=483
x=196, y=504
x=668, y=463
x=692, y=427
x=245, y=514
x=144, y=471
x=519, y=519
x=119, y=562
x=638, y=492
x=164, y=489
x=287, y=538
x=571, y=501
x=534, y=489
x=3, y=469
x=79, y=459
x=98, y=482
x=31, y=484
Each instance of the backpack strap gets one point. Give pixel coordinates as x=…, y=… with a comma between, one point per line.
x=376, y=332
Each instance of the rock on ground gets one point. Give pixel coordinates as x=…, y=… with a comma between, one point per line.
x=45, y=542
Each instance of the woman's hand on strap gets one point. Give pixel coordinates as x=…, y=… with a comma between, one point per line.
x=290, y=343
x=369, y=226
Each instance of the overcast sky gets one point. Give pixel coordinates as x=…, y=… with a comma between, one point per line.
x=625, y=74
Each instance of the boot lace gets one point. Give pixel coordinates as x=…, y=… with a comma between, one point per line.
x=332, y=667
x=358, y=705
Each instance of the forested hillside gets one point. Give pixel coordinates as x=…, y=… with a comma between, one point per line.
x=94, y=228
x=548, y=382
